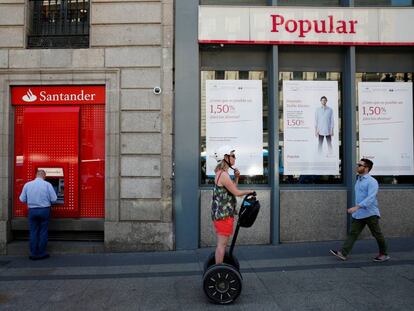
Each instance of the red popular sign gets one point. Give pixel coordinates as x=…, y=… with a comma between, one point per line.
x=58, y=95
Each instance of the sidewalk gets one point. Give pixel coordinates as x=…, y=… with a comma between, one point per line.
x=302, y=276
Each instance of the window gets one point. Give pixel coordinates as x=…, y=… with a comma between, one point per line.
x=234, y=2
x=59, y=24
x=379, y=3
x=234, y=75
x=384, y=77
x=309, y=76
x=308, y=3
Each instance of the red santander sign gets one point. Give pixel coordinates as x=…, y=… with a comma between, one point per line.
x=58, y=95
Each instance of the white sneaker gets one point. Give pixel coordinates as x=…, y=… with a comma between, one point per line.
x=381, y=258
x=338, y=254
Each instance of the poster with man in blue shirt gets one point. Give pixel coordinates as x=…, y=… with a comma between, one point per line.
x=324, y=124
x=39, y=196
x=365, y=212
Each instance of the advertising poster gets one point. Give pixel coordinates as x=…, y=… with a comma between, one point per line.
x=386, y=126
x=310, y=123
x=234, y=118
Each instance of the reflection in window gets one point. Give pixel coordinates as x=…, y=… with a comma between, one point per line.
x=383, y=77
x=379, y=3
x=322, y=3
x=308, y=179
x=233, y=2
x=234, y=75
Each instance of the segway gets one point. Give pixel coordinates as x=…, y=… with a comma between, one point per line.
x=222, y=283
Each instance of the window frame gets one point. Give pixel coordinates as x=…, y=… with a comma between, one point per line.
x=340, y=131
x=359, y=77
x=57, y=24
x=214, y=57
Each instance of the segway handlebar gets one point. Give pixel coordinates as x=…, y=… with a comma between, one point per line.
x=251, y=194
x=247, y=197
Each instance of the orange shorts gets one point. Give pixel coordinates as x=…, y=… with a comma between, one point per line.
x=224, y=226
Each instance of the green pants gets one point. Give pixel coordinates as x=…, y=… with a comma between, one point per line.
x=357, y=225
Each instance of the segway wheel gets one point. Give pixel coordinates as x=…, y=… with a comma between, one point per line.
x=230, y=260
x=222, y=283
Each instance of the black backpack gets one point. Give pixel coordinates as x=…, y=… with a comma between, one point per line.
x=248, y=211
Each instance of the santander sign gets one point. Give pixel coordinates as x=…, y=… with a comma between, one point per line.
x=58, y=95
x=80, y=96
x=29, y=97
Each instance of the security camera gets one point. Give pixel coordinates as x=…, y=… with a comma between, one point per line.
x=157, y=90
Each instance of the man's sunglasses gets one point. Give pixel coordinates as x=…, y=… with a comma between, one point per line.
x=233, y=156
x=359, y=164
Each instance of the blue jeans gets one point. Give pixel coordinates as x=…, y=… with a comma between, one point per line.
x=38, y=223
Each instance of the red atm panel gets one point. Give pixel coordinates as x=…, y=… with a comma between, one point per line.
x=51, y=140
x=92, y=164
x=66, y=140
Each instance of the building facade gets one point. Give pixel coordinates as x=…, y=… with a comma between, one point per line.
x=86, y=92
x=113, y=99
x=277, y=44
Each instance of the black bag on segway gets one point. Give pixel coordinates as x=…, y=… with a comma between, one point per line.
x=248, y=211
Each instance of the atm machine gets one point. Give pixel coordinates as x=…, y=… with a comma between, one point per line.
x=56, y=176
x=67, y=141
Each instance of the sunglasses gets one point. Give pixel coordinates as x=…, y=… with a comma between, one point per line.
x=360, y=165
x=233, y=156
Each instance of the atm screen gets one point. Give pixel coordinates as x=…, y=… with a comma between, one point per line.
x=55, y=177
x=58, y=186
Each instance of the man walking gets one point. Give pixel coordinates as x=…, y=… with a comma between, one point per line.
x=324, y=124
x=39, y=195
x=365, y=212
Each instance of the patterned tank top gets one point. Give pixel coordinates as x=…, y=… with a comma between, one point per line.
x=224, y=203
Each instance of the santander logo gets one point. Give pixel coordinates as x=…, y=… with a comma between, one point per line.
x=29, y=97
x=58, y=95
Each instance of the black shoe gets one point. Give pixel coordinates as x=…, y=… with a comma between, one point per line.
x=33, y=258
x=43, y=257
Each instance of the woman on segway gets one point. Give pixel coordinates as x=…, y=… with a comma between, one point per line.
x=223, y=207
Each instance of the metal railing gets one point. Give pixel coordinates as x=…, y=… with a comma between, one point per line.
x=59, y=24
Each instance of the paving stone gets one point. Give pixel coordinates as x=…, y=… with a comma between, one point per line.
x=278, y=283
x=313, y=301
x=172, y=281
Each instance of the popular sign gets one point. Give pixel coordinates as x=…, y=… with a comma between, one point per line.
x=302, y=27
x=46, y=95
x=281, y=25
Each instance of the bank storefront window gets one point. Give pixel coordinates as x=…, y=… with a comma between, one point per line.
x=208, y=177
x=320, y=3
x=311, y=153
x=234, y=2
x=380, y=3
x=386, y=112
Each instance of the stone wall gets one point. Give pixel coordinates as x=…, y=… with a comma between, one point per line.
x=312, y=215
x=131, y=50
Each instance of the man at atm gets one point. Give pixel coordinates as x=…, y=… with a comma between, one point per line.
x=39, y=195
